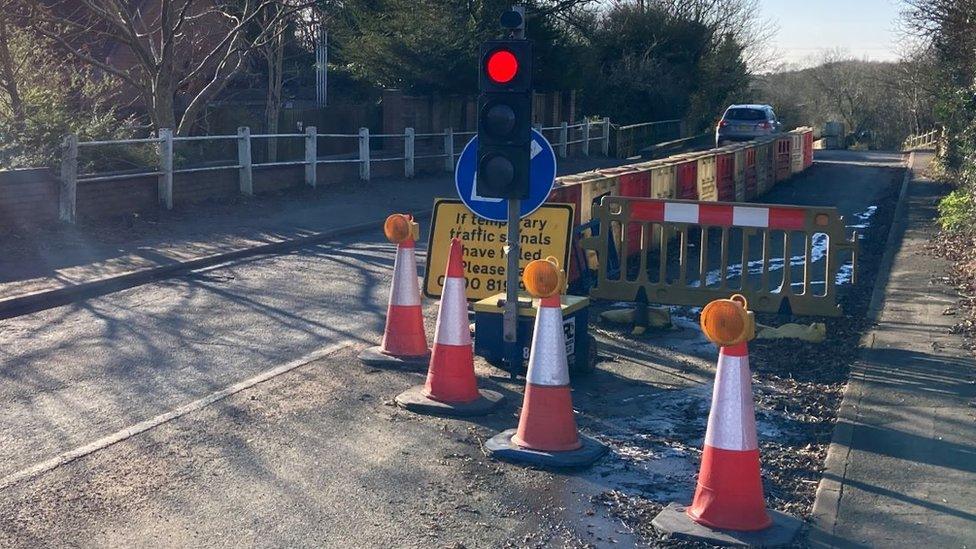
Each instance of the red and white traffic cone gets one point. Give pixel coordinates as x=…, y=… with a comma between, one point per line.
x=547, y=433
x=404, y=339
x=728, y=507
x=451, y=386
x=547, y=422
x=729, y=495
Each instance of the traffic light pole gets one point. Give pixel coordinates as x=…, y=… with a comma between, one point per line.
x=513, y=351
x=504, y=150
x=510, y=319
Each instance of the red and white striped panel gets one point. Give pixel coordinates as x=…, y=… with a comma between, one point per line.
x=720, y=215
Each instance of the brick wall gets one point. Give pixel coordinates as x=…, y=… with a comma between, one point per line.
x=31, y=197
x=98, y=200
x=431, y=114
x=201, y=186
x=277, y=178
x=28, y=198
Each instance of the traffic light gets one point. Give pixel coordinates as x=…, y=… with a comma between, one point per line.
x=504, y=118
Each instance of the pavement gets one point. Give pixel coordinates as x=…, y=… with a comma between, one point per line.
x=41, y=263
x=901, y=470
x=226, y=407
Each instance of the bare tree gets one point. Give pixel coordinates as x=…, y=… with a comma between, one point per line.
x=9, y=67
x=915, y=82
x=740, y=20
x=175, y=50
x=273, y=52
x=847, y=88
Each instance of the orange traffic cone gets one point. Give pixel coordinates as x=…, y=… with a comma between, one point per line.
x=547, y=422
x=404, y=340
x=451, y=386
x=546, y=433
x=728, y=506
x=729, y=495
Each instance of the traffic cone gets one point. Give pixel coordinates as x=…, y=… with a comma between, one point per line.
x=451, y=387
x=546, y=433
x=728, y=507
x=404, y=340
x=547, y=422
x=729, y=495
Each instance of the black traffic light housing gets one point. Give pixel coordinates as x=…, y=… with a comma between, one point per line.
x=504, y=118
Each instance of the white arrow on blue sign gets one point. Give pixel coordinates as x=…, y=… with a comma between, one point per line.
x=542, y=175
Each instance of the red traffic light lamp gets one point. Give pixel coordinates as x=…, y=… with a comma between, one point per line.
x=501, y=66
x=505, y=66
x=505, y=114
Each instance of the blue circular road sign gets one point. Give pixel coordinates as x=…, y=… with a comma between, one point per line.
x=542, y=175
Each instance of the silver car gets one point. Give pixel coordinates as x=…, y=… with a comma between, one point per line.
x=745, y=123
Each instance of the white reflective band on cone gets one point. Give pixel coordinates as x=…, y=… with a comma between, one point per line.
x=406, y=289
x=452, y=320
x=547, y=358
x=732, y=419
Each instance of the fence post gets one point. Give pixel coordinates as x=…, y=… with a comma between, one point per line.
x=606, y=137
x=449, y=150
x=586, y=137
x=166, y=167
x=244, y=160
x=69, y=178
x=563, y=140
x=311, y=155
x=364, y=154
x=408, y=152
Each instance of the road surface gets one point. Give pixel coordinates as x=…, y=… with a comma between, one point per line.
x=315, y=456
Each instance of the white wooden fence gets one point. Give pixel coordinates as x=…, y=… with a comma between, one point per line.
x=927, y=140
x=562, y=137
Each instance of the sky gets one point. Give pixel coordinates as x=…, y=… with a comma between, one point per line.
x=866, y=29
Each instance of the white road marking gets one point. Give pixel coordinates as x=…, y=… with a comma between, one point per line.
x=143, y=426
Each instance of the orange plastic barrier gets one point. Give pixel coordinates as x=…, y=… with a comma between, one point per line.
x=751, y=173
x=808, y=149
x=687, y=180
x=725, y=175
x=783, y=170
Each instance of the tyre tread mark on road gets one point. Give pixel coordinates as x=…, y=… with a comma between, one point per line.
x=143, y=426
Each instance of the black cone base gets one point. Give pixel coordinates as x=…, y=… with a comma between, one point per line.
x=501, y=446
x=413, y=399
x=374, y=356
x=674, y=521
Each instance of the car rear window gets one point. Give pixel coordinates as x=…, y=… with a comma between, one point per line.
x=745, y=114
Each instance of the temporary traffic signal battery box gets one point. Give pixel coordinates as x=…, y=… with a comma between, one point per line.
x=488, y=342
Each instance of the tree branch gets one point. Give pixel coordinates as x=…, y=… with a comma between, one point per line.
x=87, y=58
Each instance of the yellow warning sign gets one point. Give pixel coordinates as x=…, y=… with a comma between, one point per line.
x=547, y=232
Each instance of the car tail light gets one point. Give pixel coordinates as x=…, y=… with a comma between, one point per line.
x=763, y=126
x=723, y=123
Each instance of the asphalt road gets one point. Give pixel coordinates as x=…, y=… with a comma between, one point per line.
x=316, y=456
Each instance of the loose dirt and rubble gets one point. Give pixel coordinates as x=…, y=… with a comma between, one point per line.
x=960, y=248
